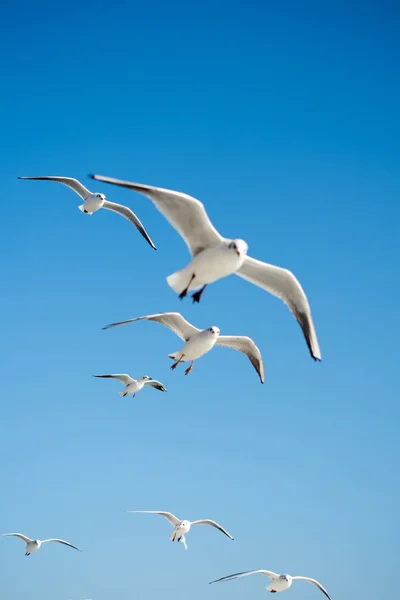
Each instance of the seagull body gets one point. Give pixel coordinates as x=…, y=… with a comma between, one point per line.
x=214, y=256
x=279, y=583
x=198, y=342
x=33, y=545
x=94, y=201
x=182, y=527
x=134, y=385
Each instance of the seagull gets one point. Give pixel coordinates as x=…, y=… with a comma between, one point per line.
x=182, y=527
x=93, y=202
x=279, y=583
x=199, y=342
x=33, y=545
x=134, y=385
x=214, y=256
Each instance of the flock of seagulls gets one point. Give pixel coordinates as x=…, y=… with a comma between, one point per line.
x=213, y=257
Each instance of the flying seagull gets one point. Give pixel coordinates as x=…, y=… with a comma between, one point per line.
x=279, y=583
x=214, y=256
x=93, y=202
x=33, y=545
x=135, y=385
x=182, y=527
x=199, y=342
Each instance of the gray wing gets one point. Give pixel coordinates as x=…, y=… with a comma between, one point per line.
x=19, y=535
x=156, y=384
x=283, y=284
x=186, y=214
x=74, y=184
x=314, y=582
x=270, y=574
x=126, y=212
x=247, y=346
x=213, y=524
x=62, y=542
x=169, y=516
x=126, y=379
x=173, y=321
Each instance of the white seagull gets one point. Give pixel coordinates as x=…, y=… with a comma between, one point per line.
x=279, y=583
x=181, y=527
x=199, y=342
x=134, y=385
x=214, y=256
x=93, y=202
x=33, y=545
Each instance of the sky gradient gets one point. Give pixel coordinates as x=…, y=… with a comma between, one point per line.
x=283, y=119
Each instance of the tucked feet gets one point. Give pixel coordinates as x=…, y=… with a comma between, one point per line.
x=189, y=368
x=185, y=291
x=197, y=295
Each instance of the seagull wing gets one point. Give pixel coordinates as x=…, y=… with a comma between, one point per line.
x=270, y=574
x=126, y=212
x=314, y=582
x=74, y=184
x=213, y=524
x=173, y=321
x=156, y=384
x=61, y=542
x=186, y=214
x=126, y=379
x=282, y=283
x=169, y=516
x=247, y=346
x=23, y=537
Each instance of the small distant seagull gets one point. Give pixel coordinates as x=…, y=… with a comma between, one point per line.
x=93, y=202
x=214, y=256
x=199, y=342
x=279, y=583
x=135, y=385
x=182, y=527
x=33, y=545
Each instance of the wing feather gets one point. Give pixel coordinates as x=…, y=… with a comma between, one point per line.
x=247, y=346
x=186, y=214
x=283, y=284
x=70, y=182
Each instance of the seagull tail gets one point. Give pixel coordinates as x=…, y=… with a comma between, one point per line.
x=82, y=208
x=177, y=281
x=122, y=393
x=174, y=356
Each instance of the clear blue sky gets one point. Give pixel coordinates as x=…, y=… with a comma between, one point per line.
x=283, y=118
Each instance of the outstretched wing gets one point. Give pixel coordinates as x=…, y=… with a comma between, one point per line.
x=173, y=321
x=62, y=542
x=156, y=384
x=126, y=379
x=314, y=582
x=186, y=214
x=126, y=212
x=213, y=524
x=169, y=516
x=19, y=535
x=247, y=346
x=270, y=574
x=283, y=284
x=72, y=183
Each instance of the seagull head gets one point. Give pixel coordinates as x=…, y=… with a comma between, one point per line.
x=146, y=377
x=184, y=523
x=239, y=246
x=285, y=577
x=100, y=196
x=214, y=330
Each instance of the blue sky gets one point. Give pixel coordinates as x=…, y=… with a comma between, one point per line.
x=283, y=119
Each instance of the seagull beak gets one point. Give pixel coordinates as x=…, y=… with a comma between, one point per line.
x=237, y=252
